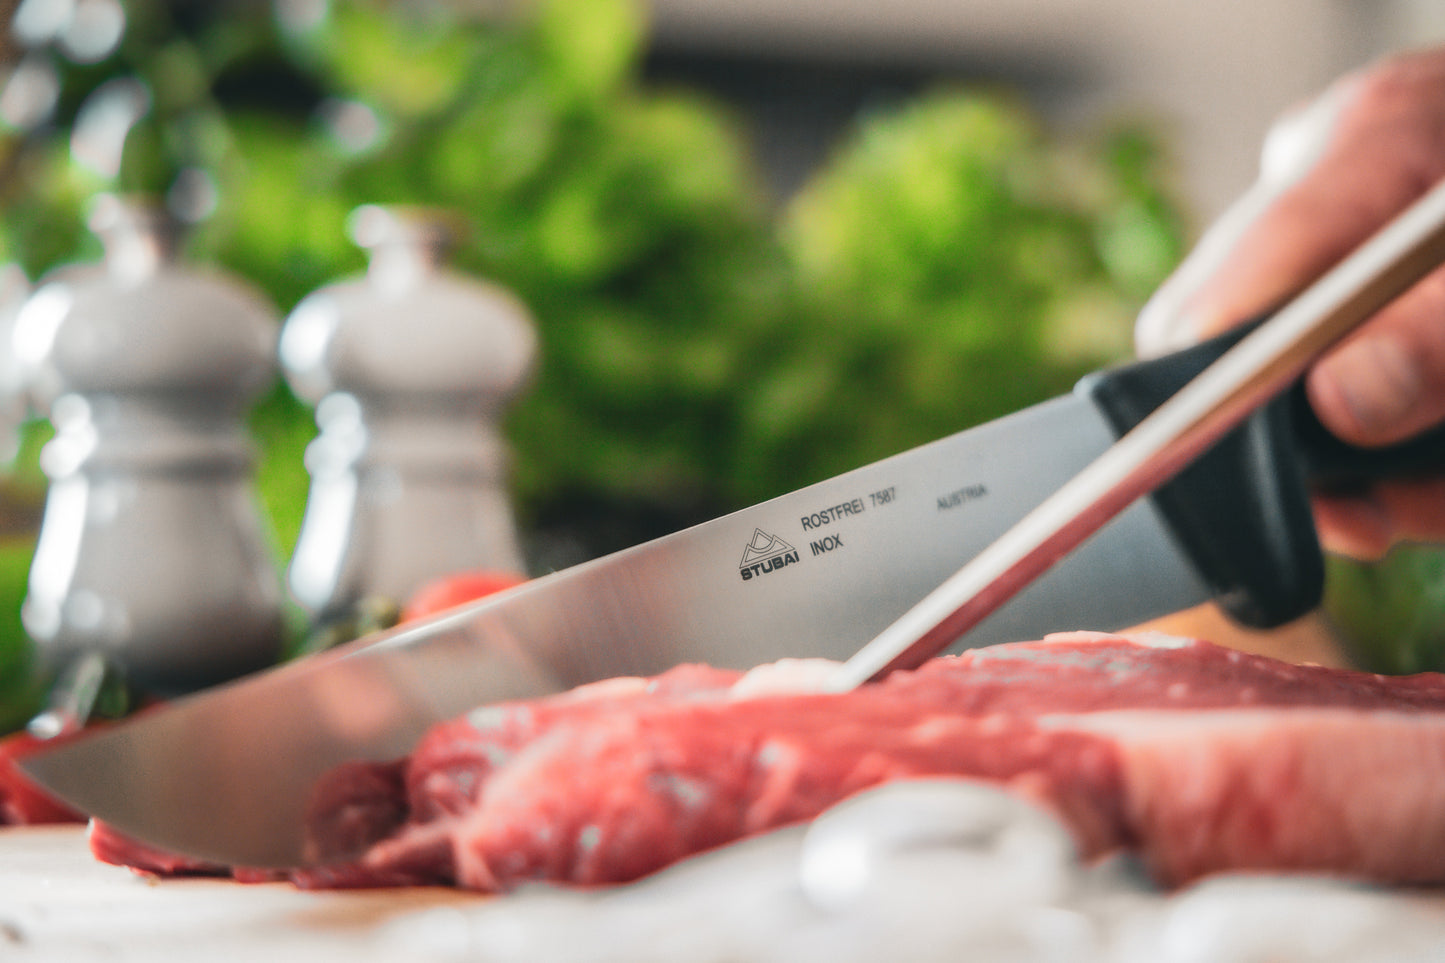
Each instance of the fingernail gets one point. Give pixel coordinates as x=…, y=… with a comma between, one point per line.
x=1161, y=327
x=1376, y=380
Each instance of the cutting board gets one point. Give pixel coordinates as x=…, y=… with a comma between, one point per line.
x=57, y=902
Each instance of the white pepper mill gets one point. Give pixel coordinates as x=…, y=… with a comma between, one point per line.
x=152, y=557
x=410, y=367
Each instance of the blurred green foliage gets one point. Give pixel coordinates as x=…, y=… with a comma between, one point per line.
x=19, y=698
x=20, y=497
x=701, y=349
x=953, y=263
x=1391, y=614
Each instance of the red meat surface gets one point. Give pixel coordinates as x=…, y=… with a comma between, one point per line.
x=1199, y=758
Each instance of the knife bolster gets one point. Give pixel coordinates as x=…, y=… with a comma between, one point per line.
x=1241, y=512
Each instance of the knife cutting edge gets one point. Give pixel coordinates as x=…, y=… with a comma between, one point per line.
x=1261, y=366
x=229, y=774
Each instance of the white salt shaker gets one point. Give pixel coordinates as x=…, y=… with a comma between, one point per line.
x=152, y=554
x=410, y=368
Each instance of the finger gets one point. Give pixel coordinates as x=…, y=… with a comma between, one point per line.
x=1357, y=528
x=1293, y=146
x=1168, y=320
x=1366, y=526
x=1375, y=143
x=1414, y=508
x=1387, y=382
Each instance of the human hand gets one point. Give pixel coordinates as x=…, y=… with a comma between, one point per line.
x=1331, y=174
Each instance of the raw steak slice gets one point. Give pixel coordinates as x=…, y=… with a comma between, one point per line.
x=451, y=764
x=361, y=803
x=1233, y=762
x=1349, y=792
x=613, y=803
x=1198, y=757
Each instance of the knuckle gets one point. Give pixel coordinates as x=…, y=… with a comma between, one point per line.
x=1406, y=82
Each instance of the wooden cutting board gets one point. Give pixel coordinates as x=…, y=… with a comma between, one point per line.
x=57, y=902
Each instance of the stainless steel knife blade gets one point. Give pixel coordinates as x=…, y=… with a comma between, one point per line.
x=228, y=774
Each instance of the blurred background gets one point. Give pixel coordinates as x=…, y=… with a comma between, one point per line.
x=762, y=242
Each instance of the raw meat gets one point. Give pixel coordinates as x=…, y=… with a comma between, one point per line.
x=361, y=803
x=1199, y=758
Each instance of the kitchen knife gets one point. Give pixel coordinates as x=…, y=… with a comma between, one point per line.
x=228, y=774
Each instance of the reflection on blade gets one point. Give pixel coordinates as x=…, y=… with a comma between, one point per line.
x=228, y=775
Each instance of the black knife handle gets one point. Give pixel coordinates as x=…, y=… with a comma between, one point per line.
x=1241, y=511
x=1332, y=465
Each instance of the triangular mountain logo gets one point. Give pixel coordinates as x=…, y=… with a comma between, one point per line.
x=763, y=546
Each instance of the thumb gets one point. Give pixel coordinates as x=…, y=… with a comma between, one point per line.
x=1387, y=381
x=1220, y=282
